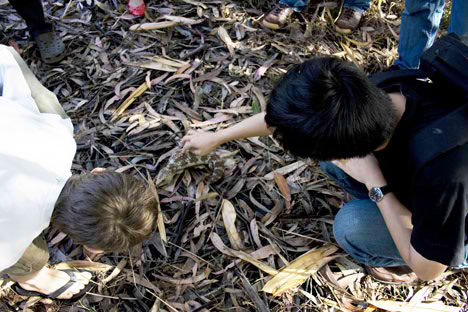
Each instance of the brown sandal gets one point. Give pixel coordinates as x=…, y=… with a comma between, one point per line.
x=393, y=275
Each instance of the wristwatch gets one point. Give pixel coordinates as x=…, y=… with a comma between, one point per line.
x=376, y=194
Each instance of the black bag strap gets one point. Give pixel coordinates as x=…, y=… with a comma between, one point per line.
x=386, y=78
x=446, y=64
x=446, y=61
x=439, y=137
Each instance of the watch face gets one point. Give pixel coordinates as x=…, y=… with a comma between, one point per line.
x=375, y=194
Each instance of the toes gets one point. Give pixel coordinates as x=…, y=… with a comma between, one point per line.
x=83, y=277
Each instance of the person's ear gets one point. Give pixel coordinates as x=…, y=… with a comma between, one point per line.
x=91, y=253
x=98, y=170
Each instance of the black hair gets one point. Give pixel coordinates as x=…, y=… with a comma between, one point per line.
x=326, y=109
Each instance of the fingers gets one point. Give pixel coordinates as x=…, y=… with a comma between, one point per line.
x=186, y=139
x=186, y=146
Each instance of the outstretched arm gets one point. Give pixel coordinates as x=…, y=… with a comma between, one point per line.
x=202, y=143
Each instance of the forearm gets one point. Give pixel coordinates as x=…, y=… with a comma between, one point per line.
x=250, y=127
x=398, y=220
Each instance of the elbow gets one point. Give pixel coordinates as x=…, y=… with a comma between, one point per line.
x=425, y=269
x=429, y=272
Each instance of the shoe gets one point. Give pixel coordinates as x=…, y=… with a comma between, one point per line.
x=51, y=47
x=277, y=18
x=348, y=21
x=137, y=7
x=393, y=275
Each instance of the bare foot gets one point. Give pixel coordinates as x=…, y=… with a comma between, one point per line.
x=46, y=281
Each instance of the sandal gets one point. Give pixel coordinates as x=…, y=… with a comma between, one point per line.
x=30, y=293
x=51, y=47
x=392, y=275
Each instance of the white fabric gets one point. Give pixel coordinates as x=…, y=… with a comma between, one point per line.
x=36, y=154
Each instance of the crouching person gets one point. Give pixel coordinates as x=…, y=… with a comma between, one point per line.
x=103, y=210
x=401, y=225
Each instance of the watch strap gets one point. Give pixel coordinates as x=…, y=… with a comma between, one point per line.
x=386, y=189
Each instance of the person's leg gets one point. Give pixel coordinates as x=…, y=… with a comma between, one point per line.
x=297, y=5
x=459, y=17
x=33, y=14
x=357, y=5
x=51, y=46
x=419, y=24
x=33, y=259
x=31, y=273
x=360, y=230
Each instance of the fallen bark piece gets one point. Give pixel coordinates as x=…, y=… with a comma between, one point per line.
x=183, y=20
x=224, y=36
x=84, y=265
x=299, y=270
x=229, y=219
x=153, y=26
x=218, y=243
x=138, y=91
x=395, y=306
x=162, y=63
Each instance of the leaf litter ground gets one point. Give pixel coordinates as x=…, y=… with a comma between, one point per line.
x=134, y=87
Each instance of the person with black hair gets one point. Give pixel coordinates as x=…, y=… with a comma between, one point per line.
x=400, y=228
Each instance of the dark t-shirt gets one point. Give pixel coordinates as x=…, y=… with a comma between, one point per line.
x=438, y=195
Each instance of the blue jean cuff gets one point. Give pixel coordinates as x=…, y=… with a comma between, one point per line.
x=296, y=5
x=357, y=9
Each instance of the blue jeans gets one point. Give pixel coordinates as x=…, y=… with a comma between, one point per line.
x=357, y=5
x=419, y=24
x=360, y=229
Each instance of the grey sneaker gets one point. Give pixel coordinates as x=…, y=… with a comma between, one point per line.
x=277, y=18
x=348, y=21
x=51, y=47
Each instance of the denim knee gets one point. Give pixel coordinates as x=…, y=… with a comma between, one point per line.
x=347, y=229
x=360, y=230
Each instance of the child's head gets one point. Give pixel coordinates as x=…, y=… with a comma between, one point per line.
x=107, y=211
x=327, y=109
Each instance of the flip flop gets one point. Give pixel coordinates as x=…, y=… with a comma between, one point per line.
x=51, y=47
x=30, y=293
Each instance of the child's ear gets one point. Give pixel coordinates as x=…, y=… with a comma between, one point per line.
x=98, y=170
x=92, y=253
